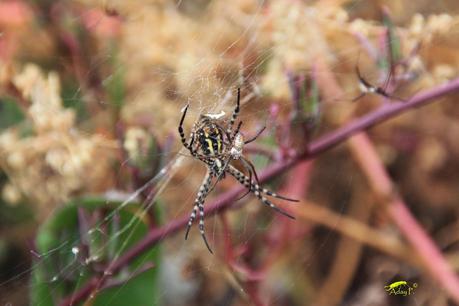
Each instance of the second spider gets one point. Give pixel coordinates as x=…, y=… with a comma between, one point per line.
x=216, y=146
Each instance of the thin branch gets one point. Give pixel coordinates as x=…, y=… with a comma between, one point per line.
x=426, y=250
x=431, y=257
x=357, y=230
x=383, y=113
x=224, y=201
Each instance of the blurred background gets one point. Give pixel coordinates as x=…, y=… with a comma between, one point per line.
x=93, y=176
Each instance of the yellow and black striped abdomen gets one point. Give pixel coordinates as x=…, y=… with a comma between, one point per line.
x=210, y=139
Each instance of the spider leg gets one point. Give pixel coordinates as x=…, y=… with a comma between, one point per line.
x=201, y=225
x=364, y=85
x=270, y=204
x=388, y=96
x=192, y=217
x=236, y=131
x=242, y=196
x=235, y=112
x=383, y=90
x=275, y=195
x=182, y=133
x=387, y=81
x=199, y=204
x=359, y=97
x=249, y=170
x=362, y=80
x=370, y=88
x=221, y=172
x=245, y=180
x=180, y=128
x=231, y=137
x=257, y=190
x=256, y=136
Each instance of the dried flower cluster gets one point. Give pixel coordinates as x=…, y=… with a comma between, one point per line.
x=135, y=64
x=50, y=160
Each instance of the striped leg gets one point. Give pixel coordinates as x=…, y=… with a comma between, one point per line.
x=192, y=216
x=180, y=128
x=257, y=190
x=201, y=225
x=270, y=204
x=204, y=193
x=235, y=113
x=199, y=204
x=221, y=173
x=250, y=168
x=182, y=133
x=243, y=179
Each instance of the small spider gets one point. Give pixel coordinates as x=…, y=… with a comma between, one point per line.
x=217, y=146
x=368, y=88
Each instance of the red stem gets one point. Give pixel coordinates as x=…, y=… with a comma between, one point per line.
x=425, y=247
x=224, y=201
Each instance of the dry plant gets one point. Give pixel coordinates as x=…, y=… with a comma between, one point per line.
x=93, y=93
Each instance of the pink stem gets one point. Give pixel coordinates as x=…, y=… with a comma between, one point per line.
x=225, y=200
x=382, y=185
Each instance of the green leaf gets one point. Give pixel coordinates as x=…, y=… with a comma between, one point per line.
x=10, y=113
x=393, y=41
x=63, y=268
x=139, y=290
x=114, y=83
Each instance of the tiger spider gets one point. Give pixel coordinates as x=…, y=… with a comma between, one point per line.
x=216, y=146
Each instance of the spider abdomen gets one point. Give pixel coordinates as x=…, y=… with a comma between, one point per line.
x=210, y=140
x=236, y=150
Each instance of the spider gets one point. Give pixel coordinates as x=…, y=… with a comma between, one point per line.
x=368, y=88
x=216, y=146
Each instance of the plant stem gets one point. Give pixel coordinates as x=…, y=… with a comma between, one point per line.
x=224, y=201
x=431, y=257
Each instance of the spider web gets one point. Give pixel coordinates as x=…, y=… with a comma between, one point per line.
x=199, y=91
x=206, y=79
